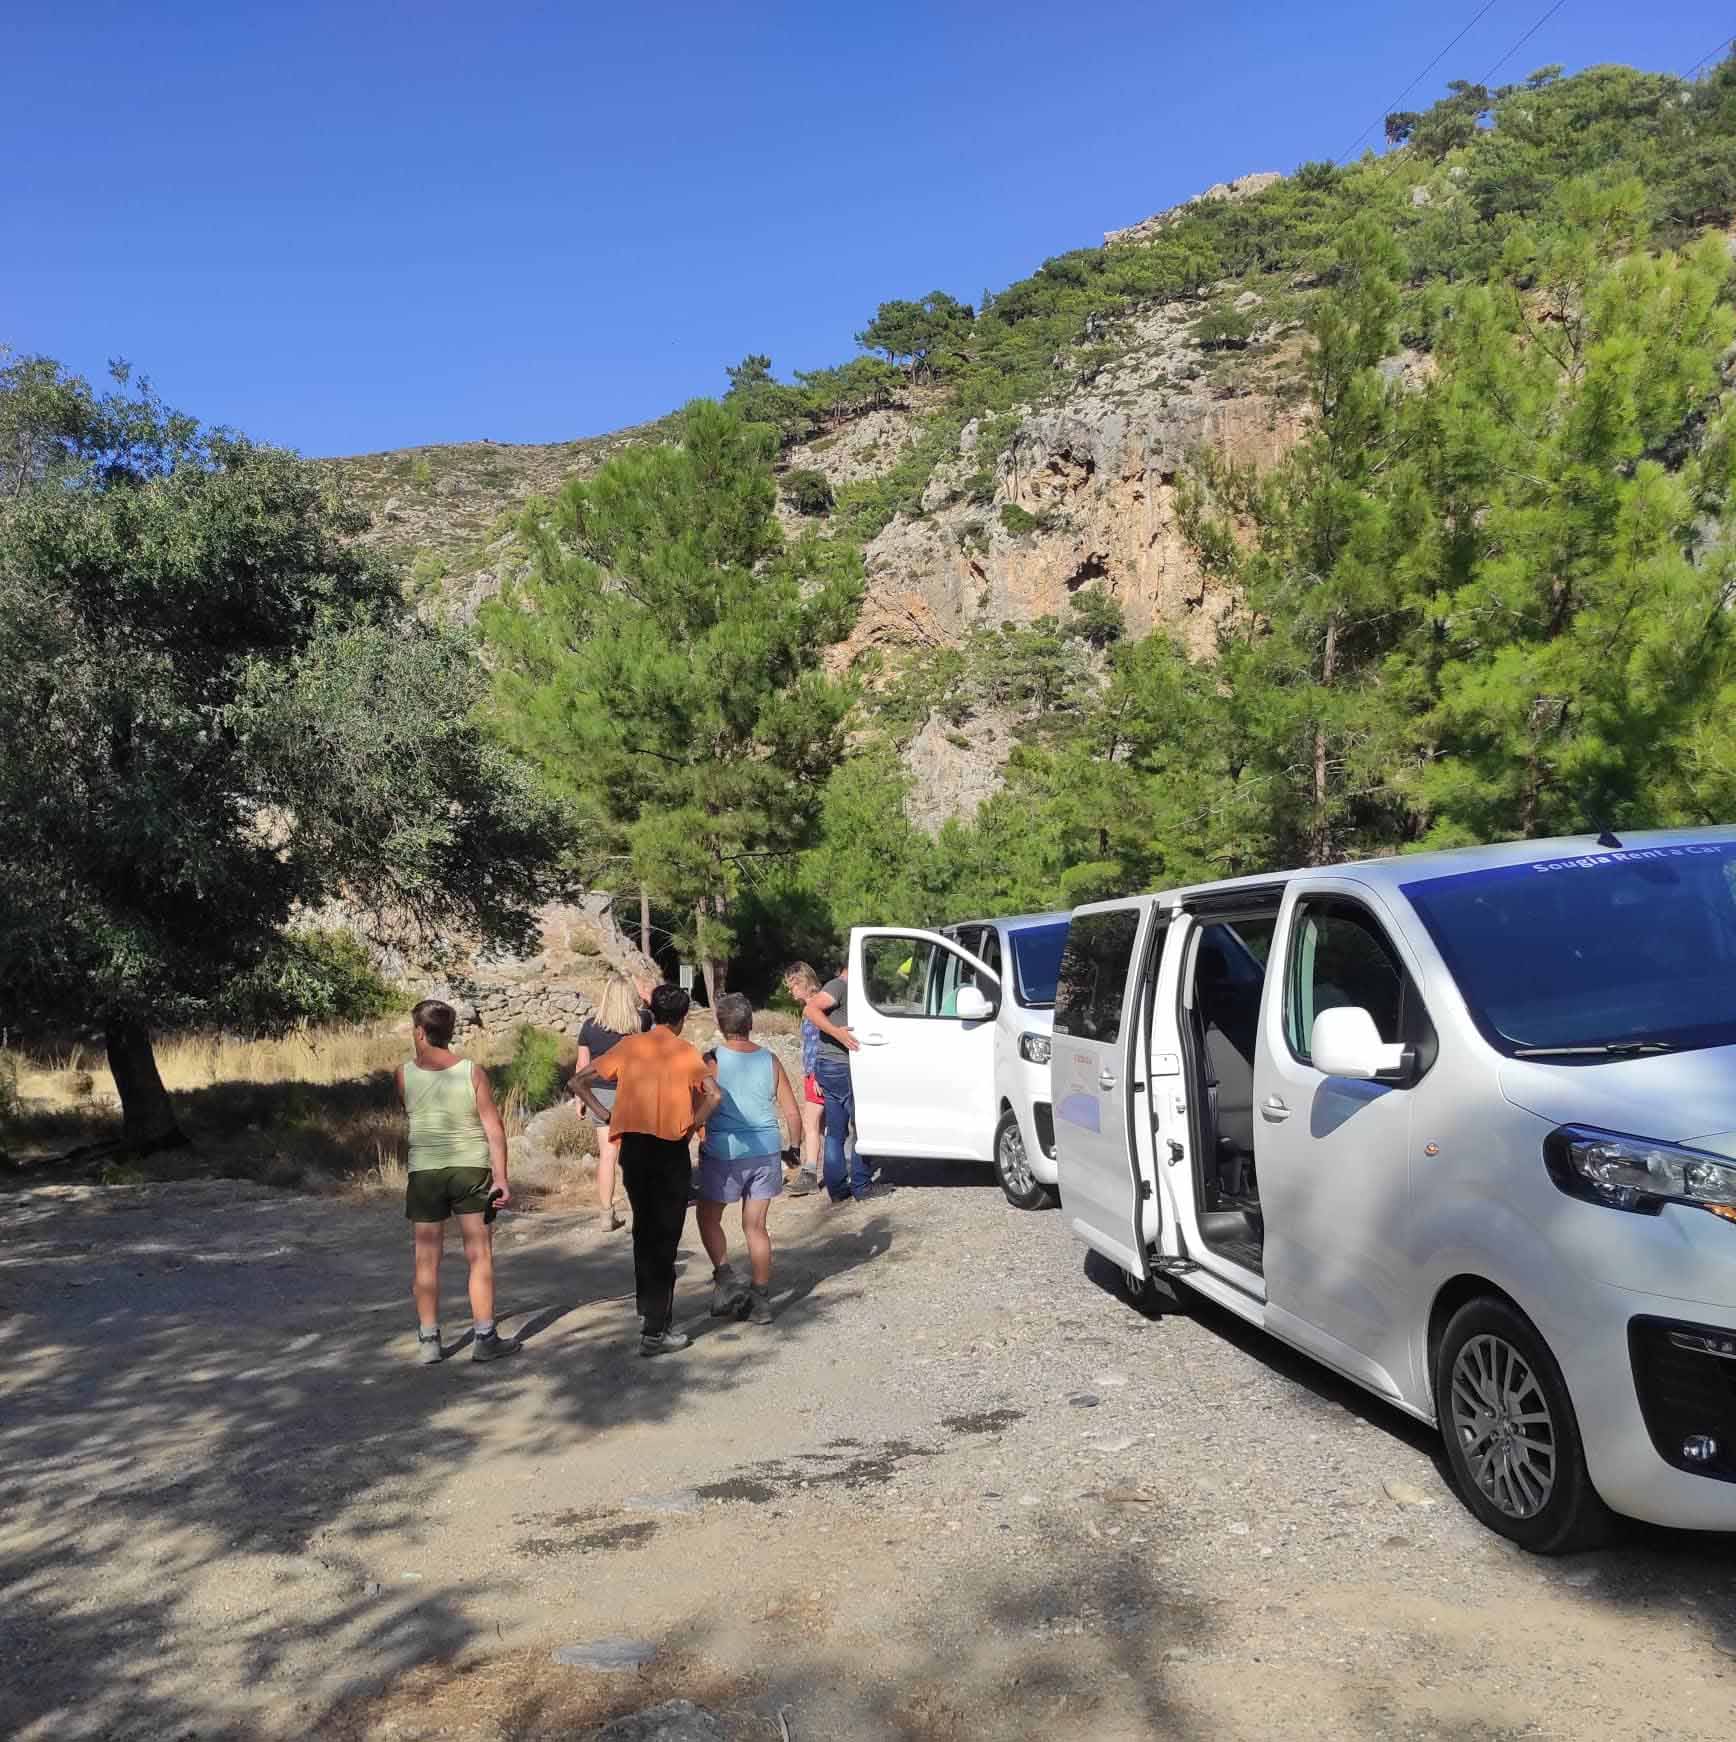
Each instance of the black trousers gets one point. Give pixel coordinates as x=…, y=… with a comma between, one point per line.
x=655, y=1171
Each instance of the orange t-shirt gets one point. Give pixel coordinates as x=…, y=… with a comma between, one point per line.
x=658, y=1078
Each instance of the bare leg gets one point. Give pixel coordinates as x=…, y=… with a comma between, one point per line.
x=479, y=1254
x=759, y=1241
x=608, y=1154
x=710, y=1219
x=429, y=1238
x=811, y=1118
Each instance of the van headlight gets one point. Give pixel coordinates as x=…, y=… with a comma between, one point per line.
x=1633, y=1173
x=1034, y=1048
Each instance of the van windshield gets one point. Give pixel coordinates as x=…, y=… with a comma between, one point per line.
x=1604, y=956
x=1037, y=962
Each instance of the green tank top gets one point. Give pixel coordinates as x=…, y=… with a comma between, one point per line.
x=445, y=1128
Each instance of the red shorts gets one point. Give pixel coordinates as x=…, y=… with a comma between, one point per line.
x=811, y=1089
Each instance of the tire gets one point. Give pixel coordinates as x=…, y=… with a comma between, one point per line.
x=1511, y=1437
x=1023, y=1189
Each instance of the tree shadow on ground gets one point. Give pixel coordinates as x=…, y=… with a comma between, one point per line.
x=225, y=1373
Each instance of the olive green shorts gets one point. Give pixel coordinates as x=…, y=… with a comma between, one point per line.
x=434, y=1193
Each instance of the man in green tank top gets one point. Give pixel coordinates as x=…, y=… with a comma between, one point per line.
x=457, y=1168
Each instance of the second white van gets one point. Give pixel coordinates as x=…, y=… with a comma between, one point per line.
x=954, y=1031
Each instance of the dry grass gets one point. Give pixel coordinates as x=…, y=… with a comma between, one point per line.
x=313, y=1110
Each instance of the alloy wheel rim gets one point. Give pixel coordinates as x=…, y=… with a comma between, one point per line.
x=1504, y=1426
x=1015, y=1170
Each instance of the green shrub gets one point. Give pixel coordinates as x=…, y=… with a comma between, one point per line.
x=1094, y=617
x=1223, y=329
x=315, y=974
x=534, y=1073
x=973, y=538
x=9, y=1104
x=1018, y=521
x=428, y=570
x=807, y=491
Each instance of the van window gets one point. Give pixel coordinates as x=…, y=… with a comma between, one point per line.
x=989, y=948
x=951, y=971
x=898, y=973
x=1340, y=955
x=1094, y=969
x=1037, y=961
x=909, y=976
x=1576, y=959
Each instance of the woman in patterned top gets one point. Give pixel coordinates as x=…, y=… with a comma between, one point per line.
x=801, y=982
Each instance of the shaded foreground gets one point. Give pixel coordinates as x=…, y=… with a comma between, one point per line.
x=960, y=1490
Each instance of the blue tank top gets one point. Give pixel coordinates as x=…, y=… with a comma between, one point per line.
x=747, y=1122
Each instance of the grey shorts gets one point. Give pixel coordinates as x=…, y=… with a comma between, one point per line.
x=753, y=1176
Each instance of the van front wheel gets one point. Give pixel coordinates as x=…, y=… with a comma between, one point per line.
x=1024, y=1190
x=1511, y=1438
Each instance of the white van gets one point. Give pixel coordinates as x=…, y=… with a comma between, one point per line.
x=954, y=1031
x=1460, y=1125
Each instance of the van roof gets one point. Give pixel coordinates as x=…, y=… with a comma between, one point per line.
x=1014, y=920
x=1394, y=869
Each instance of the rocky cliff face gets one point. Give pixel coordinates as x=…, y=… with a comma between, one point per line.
x=1094, y=481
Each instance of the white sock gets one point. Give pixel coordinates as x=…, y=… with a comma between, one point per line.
x=485, y=1327
x=429, y=1333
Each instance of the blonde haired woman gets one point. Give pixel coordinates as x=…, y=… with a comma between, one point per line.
x=620, y=1011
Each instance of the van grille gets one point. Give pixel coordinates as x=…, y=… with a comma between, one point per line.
x=1686, y=1386
x=1045, y=1117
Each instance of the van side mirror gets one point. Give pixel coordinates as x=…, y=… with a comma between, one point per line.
x=972, y=1005
x=1345, y=1043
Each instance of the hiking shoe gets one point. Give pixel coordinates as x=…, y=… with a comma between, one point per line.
x=759, y=1305
x=728, y=1292
x=495, y=1347
x=804, y=1182
x=667, y=1342
x=429, y=1353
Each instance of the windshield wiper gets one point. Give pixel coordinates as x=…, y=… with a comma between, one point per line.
x=1596, y=1049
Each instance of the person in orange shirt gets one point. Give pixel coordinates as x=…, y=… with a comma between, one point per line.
x=663, y=1092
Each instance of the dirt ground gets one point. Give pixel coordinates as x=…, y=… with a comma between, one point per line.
x=961, y=1490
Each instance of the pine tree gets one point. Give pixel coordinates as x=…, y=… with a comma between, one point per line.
x=1323, y=607
x=1581, y=641
x=662, y=664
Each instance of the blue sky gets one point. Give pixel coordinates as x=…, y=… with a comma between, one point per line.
x=347, y=226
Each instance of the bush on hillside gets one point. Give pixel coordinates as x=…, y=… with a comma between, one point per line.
x=807, y=491
x=1094, y=617
x=533, y=1076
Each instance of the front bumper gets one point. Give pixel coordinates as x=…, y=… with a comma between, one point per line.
x=1027, y=1093
x=1637, y=1397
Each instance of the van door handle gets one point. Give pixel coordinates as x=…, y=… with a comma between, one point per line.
x=1106, y=1079
x=872, y=1039
x=1273, y=1110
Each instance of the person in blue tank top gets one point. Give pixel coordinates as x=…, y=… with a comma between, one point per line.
x=741, y=1159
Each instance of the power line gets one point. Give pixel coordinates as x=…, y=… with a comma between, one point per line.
x=1488, y=6
x=1522, y=42
x=1716, y=48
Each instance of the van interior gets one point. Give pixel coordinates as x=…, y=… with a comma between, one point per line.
x=1221, y=991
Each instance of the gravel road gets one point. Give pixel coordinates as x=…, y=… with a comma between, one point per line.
x=962, y=1489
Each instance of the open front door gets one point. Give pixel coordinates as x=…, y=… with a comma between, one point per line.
x=924, y=1077
x=1095, y=1054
